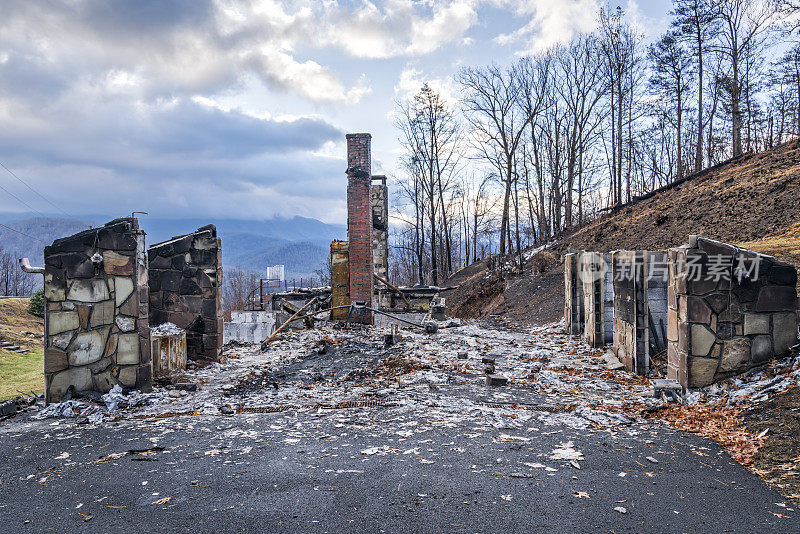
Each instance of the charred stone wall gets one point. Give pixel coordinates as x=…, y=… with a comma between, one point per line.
x=631, y=334
x=96, y=322
x=185, y=282
x=573, y=293
x=380, y=226
x=598, y=294
x=729, y=310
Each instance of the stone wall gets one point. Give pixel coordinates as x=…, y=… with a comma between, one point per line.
x=96, y=322
x=379, y=200
x=340, y=280
x=729, y=310
x=573, y=291
x=185, y=282
x=359, y=223
x=598, y=293
x=657, y=282
x=631, y=332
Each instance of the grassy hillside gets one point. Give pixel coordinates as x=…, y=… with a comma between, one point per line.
x=20, y=372
x=753, y=202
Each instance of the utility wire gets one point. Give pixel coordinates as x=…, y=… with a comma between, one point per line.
x=23, y=233
x=22, y=201
x=34, y=190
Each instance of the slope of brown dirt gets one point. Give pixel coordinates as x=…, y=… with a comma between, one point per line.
x=749, y=199
x=753, y=202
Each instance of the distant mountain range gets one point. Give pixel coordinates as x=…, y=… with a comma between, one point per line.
x=301, y=244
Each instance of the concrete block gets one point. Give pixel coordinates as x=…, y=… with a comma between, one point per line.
x=496, y=380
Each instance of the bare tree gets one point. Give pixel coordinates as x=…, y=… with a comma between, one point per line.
x=671, y=69
x=238, y=286
x=430, y=137
x=697, y=21
x=745, y=24
x=621, y=61
x=491, y=105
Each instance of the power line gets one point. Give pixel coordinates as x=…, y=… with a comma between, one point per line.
x=22, y=201
x=23, y=233
x=12, y=173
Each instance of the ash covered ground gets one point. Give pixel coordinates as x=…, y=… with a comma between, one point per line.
x=333, y=430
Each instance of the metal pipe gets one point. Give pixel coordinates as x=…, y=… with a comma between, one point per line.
x=25, y=265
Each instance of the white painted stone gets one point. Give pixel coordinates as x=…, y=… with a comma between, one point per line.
x=702, y=340
x=87, y=347
x=90, y=290
x=125, y=323
x=123, y=289
x=58, y=322
x=79, y=377
x=128, y=349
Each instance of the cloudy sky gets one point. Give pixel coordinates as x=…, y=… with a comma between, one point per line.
x=229, y=108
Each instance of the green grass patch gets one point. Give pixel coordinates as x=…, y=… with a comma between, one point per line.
x=20, y=372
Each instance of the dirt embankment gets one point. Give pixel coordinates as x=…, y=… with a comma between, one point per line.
x=753, y=202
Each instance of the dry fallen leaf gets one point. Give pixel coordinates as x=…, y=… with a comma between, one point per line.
x=165, y=500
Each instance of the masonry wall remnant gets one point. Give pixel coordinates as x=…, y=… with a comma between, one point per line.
x=340, y=280
x=359, y=223
x=714, y=310
x=657, y=282
x=598, y=297
x=380, y=226
x=185, y=281
x=573, y=295
x=729, y=309
x=630, y=309
x=97, y=332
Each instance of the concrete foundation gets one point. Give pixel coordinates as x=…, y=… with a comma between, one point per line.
x=249, y=326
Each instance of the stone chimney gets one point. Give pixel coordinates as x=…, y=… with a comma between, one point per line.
x=359, y=222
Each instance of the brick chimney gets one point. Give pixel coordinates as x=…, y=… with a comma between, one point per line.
x=359, y=222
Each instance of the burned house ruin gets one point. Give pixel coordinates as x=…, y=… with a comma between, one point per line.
x=185, y=280
x=730, y=309
x=104, y=290
x=97, y=333
x=714, y=310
